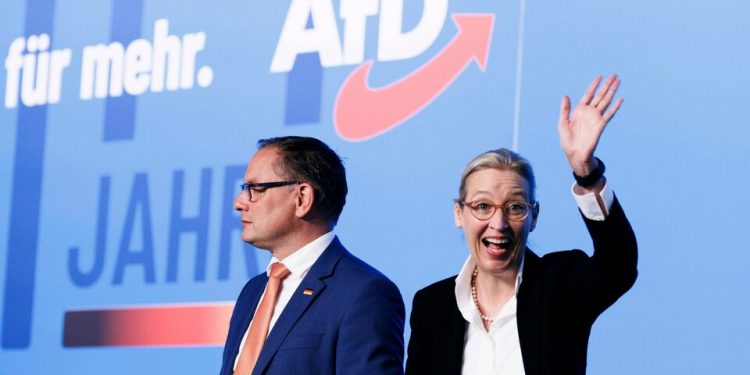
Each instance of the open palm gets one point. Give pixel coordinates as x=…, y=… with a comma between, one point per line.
x=580, y=133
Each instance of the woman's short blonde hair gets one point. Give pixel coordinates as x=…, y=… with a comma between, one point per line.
x=501, y=159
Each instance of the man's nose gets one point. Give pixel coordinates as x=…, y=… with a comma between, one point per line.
x=241, y=202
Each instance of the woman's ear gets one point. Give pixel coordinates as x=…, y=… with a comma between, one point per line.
x=534, y=215
x=458, y=218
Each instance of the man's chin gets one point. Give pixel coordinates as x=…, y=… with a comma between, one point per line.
x=249, y=240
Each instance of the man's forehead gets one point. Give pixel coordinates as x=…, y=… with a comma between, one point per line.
x=262, y=166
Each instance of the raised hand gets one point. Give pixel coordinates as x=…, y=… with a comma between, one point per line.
x=580, y=133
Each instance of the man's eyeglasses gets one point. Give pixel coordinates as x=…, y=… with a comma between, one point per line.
x=484, y=210
x=255, y=190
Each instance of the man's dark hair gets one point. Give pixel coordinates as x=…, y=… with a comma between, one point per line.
x=310, y=160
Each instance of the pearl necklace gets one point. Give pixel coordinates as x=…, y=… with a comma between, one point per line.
x=474, y=296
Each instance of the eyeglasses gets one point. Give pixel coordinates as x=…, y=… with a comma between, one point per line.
x=255, y=190
x=484, y=210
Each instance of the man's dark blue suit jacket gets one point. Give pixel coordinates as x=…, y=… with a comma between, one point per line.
x=351, y=323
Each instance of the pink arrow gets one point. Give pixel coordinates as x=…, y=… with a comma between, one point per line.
x=362, y=112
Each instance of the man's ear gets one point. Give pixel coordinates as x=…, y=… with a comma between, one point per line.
x=534, y=215
x=458, y=219
x=304, y=199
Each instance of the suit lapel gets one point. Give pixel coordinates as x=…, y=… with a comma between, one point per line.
x=245, y=310
x=300, y=301
x=527, y=332
x=453, y=333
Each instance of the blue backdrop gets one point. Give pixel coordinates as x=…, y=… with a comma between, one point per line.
x=126, y=127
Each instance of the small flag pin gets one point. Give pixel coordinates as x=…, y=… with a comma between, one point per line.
x=307, y=292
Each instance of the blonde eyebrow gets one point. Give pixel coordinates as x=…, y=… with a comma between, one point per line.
x=517, y=193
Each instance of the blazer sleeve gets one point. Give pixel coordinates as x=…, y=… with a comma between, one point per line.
x=371, y=339
x=416, y=360
x=436, y=344
x=612, y=270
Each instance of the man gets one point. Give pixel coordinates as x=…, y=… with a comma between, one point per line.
x=333, y=314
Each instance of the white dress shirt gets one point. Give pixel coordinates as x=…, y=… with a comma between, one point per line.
x=298, y=263
x=498, y=352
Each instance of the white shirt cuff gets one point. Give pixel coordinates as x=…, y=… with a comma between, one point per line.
x=595, y=206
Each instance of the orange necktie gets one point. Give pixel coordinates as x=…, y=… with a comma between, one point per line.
x=259, y=326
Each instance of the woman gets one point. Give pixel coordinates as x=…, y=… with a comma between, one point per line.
x=508, y=311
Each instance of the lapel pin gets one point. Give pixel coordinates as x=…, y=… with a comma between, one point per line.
x=307, y=292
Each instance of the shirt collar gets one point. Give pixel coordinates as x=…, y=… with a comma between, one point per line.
x=463, y=290
x=464, y=276
x=300, y=261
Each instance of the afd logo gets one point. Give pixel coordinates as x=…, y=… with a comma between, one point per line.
x=360, y=111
